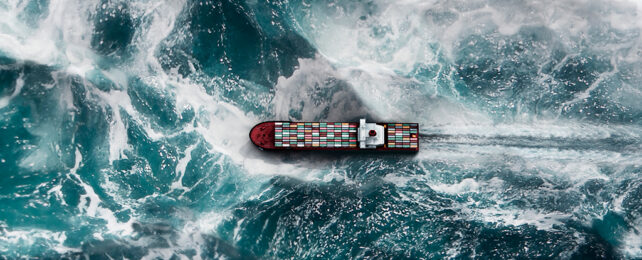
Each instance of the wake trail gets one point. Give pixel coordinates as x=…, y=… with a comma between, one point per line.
x=621, y=144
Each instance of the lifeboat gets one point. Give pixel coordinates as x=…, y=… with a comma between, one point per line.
x=285, y=135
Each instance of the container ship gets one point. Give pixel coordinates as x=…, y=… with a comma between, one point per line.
x=285, y=135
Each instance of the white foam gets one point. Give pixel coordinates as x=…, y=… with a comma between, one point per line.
x=16, y=239
x=518, y=217
x=90, y=204
x=181, y=166
x=118, y=140
x=162, y=16
x=4, y=101
x=316, y=92
x=190, y=237
x=59, y=39
x=56, y=190
x=399, y=181
x=465, y=186
x=632, y=241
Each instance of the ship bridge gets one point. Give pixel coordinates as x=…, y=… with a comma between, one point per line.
x=371, y=135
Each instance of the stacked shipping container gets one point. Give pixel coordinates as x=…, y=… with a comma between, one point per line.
x=402, y=135
x=315, y=134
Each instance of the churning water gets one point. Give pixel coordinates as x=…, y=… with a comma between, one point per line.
x=124, y=128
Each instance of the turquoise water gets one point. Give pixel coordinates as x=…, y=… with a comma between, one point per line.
x=124, y=129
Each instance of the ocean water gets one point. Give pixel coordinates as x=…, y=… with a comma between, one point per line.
x=124, y=129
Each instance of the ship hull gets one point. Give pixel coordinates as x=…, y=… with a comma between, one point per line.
x=331, y=136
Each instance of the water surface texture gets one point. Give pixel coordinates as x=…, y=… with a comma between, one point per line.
x=124, y=129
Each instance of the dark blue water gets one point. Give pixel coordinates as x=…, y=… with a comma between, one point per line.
x=123, y=129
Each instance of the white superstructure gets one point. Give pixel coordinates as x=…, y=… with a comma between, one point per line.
x=370, y=135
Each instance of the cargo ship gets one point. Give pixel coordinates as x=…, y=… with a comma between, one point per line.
x=285, y=135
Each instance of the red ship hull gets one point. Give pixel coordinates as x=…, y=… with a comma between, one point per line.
x=323, y=136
